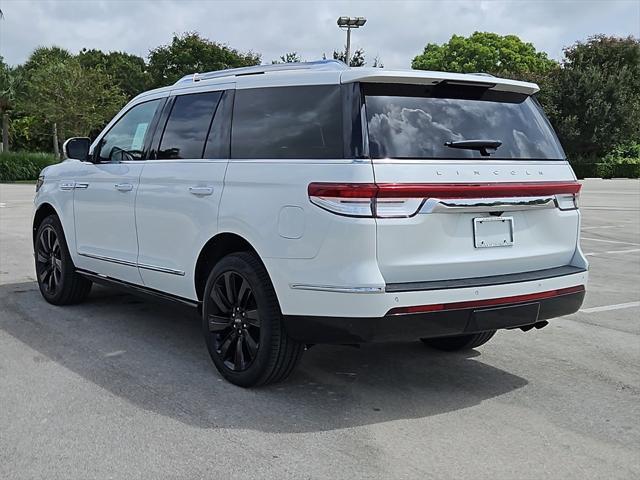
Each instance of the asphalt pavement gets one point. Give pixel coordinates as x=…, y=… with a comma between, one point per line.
x=122, y=387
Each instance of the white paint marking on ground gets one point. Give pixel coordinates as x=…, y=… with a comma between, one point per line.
x=601, y=226
x=117, y=353
x=609, y=241
x=3, y=205
x=592, y=254
x=606, y=308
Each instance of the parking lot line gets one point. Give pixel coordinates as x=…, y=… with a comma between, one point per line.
x=609, y=241
x=600, y=226
x=605, y=308
x=592, y=254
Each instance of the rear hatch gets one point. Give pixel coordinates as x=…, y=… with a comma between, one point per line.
x=472, y=182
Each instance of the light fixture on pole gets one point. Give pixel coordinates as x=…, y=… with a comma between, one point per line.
x=349, y=23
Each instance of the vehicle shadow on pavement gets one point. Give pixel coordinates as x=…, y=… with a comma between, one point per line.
x=153, y=356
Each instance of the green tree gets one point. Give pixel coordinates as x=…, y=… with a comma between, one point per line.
x=6, y=87
x=28, y=129
x=484, y=52
x=7, y=94
x=356, y=60
x=596, y=95
x=78, y=100
x=290, y=57
x=128, y=71
x=189, y=53
x=43, y=56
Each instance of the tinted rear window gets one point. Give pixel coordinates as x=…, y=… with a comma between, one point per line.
x=287, y=122
x=188, y=125
x=413, y=121
x=218, y=143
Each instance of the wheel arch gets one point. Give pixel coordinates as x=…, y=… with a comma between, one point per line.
x=215, y=249
x=43, y=211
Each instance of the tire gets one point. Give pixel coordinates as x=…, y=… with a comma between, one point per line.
x=55, y=272
x=459, y=342
x=242, y=324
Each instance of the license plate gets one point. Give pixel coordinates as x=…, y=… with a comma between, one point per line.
x=492, y=232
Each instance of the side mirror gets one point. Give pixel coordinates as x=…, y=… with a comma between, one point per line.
x=77, y=148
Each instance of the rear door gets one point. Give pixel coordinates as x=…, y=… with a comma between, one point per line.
x=180, y=188
x=476, y=183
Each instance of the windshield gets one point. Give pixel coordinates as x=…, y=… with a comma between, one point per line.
x=417, y=121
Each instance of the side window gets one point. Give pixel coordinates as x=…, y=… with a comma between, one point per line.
x=288, y=122
x=126, y=139
x=218, y=142
x=186, y=130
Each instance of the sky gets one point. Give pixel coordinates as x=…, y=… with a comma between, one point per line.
x=396, y=31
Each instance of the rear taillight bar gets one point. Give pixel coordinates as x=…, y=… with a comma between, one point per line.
x=396, y=200
x=475, y=190
x=491, y=302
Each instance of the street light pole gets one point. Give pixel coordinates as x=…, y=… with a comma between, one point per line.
x=348, y=23
x=348, y=53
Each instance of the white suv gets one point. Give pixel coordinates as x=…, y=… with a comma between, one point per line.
x=314, y=203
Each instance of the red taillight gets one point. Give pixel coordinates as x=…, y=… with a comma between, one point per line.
x=343, y=190
x=491, y=302
x=475, y=190
x=396, y=200
x=349, y=199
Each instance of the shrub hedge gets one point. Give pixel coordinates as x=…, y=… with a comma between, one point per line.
x=15, y=166
x=628, y=169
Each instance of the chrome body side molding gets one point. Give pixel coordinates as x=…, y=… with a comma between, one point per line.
x=336, y=289
x=108, y=259
x=161, y=269
x=146, y=266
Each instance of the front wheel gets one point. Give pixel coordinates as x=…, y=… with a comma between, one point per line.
x=459, y=342
x=243, y=326
x=57, y=279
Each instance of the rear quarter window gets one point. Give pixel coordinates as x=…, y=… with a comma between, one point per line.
x=303, y=122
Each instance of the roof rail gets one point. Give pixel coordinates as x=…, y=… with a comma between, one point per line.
x=258, y=69
x=481, y=74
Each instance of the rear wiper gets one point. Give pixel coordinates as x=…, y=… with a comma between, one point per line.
x=485, y=147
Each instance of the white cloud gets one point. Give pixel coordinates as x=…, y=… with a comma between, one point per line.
x=396, y=31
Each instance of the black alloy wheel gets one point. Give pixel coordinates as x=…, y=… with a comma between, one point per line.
x=49, y=260
x=234, y=320
x=242, y=323
x=58, y=280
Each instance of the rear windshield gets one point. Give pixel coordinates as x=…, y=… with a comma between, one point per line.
x=416, y=121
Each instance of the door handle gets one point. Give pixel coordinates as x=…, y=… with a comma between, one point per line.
x=124, y=187
x=201, y=190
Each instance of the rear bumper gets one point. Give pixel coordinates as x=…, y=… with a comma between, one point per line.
x=361, y=292
x=411, y=326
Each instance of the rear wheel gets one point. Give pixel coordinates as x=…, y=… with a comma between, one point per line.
x=57, y=279
x=459, y=342
x=243, y=326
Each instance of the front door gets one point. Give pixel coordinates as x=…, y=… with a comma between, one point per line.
x=104, y=197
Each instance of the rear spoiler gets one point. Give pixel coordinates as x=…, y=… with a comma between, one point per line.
x=422, y=77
